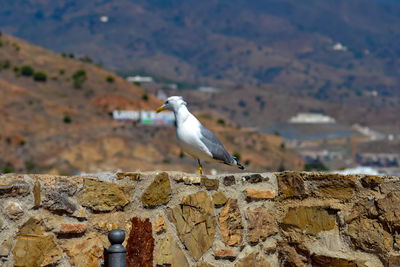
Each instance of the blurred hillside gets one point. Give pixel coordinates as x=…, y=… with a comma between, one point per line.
x=336, y=50
x=54, y=117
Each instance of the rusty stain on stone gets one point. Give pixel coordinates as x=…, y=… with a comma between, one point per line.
x=140, y=243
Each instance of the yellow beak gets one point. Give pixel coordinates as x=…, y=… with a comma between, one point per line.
x=160, y=109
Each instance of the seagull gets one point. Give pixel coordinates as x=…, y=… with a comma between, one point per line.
x=194, y=138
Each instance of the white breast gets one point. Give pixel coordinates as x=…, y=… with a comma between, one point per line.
x=188, y=135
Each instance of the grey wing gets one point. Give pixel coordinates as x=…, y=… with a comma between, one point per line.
x=216, y=148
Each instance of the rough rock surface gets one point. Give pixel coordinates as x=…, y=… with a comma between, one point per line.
x=140, y=244
x=369, y=235
x=169, y=253
x=316, y=219
x=33, y=248
x=209, y=184
x=253, y=259
x=231, y=223
x=257, y=194
x=159, y=225
x=310, y=220
x=219, y=199
x=159, y=192
x=104, y=196
x=195, y=223
x=261, y=224
x=86, y=251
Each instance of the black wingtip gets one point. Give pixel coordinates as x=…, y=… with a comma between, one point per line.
x=240, y=166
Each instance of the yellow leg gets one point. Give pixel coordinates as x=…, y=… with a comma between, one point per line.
x=200, y=171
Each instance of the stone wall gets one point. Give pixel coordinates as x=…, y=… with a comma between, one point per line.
x=179, y=219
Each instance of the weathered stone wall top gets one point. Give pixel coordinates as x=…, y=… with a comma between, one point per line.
x=180, y=219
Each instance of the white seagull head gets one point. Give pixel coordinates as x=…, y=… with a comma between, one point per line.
x=172, y=103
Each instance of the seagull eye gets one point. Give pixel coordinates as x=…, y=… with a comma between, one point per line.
x=167, y=102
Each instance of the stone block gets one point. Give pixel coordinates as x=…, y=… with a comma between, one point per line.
x=323, y=261
x=188, y=180
x=14, y=210
x=261, y=224
x=331, y=185
x=36, y=194
x=290, y=184
x=257, y=194
x=369, y=235
x=253, y=259
x=310, y=220
x=86, y=251
x=255, y=178
x=159, y=225
x=133, y=176
x=209, y=184
x=195, y=223
x=225, y=254
x=72, y=229
x=33, y=248
x=219, y=199
x=140, y=243
x=231, y=223
x=229, y=180
x=169, y=253
x=12, y=188
x=104, y=196
x=389, y=210
x=158, y=192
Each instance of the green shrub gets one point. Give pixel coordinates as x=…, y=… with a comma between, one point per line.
x=315, y=166
x=16, y=69
x=27, y=70
x=137, y=83
x=22, y=142
x=110, y=79
x=17, y=48
x=6, y=64
x=61, y=71
x=67, y=119
x=145, y=97
x=8, y=168
x=237, y=155
x=30, y=166
x=79, y=77
x=63, y=55
x=1, y=43
x=40, y=76
x=166, y=160
x=221, y=121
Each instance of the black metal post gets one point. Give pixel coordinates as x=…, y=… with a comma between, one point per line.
x=116, y=252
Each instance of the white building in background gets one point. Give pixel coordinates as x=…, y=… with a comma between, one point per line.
x=208, y=89
x=104, y=19
x=144, y=117
x=311, y=118
x=126, y=115
x=364, y=130
x=140, y=79
x=339, y=47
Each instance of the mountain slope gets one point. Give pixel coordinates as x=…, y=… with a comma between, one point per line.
x=285, y=43
x=54, y=125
